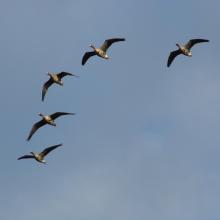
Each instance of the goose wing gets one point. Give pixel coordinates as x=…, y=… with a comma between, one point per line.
x=26, y=157
x=48, y=150
x=172, y=56
x=109, y=42
x=62, y=74
x=45, y=88
x=35, y=127
x=86, y=56
x=192, y=42
x=58, y=114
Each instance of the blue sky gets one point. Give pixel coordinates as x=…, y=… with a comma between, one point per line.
x=144, y=143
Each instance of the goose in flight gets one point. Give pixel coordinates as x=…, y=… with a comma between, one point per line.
x=40, y=156
x=184, y=49
x=46, y=119
x=101, y=51
x=54, y=78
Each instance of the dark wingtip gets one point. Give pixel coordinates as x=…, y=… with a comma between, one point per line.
x=28, y=138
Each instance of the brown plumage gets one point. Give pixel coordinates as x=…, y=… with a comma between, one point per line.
x=101, y=51
x=46, y=119
x=54, y=78
x=185, y=49
x=40, y=156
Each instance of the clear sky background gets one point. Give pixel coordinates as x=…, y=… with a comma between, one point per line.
x=144, y=143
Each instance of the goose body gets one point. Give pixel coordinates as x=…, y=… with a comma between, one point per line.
x=101, y=51
x=39, y=157
x=54, y=78
x=184, y=49
x=46, y=119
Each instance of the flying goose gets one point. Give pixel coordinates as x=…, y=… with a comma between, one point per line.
x=184, y=49
x=46, y=119
x=101, y=51
x=54, y=78
x=40, y=156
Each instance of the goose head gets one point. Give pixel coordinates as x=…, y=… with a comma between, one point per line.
x=178, y=45
x=34, y=154
x=92, y=46
x=40, y=114
x=49, y=74
x=190, y=54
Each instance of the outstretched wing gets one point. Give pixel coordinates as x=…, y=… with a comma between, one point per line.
x=62, y=74
x=48, y=150
x=26, y=157
x=109, y=42
x=45, y=88
x=58, y=114
x=192, y=42
x=172, y=56
x=35, y=127
x=86, y=56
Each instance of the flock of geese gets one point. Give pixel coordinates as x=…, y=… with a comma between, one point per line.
x=56, y=78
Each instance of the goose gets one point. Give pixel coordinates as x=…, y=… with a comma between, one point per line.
x=54, y=78
x=46, y=119
x=184, y=49
x=39, y=157
x=101, y=51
